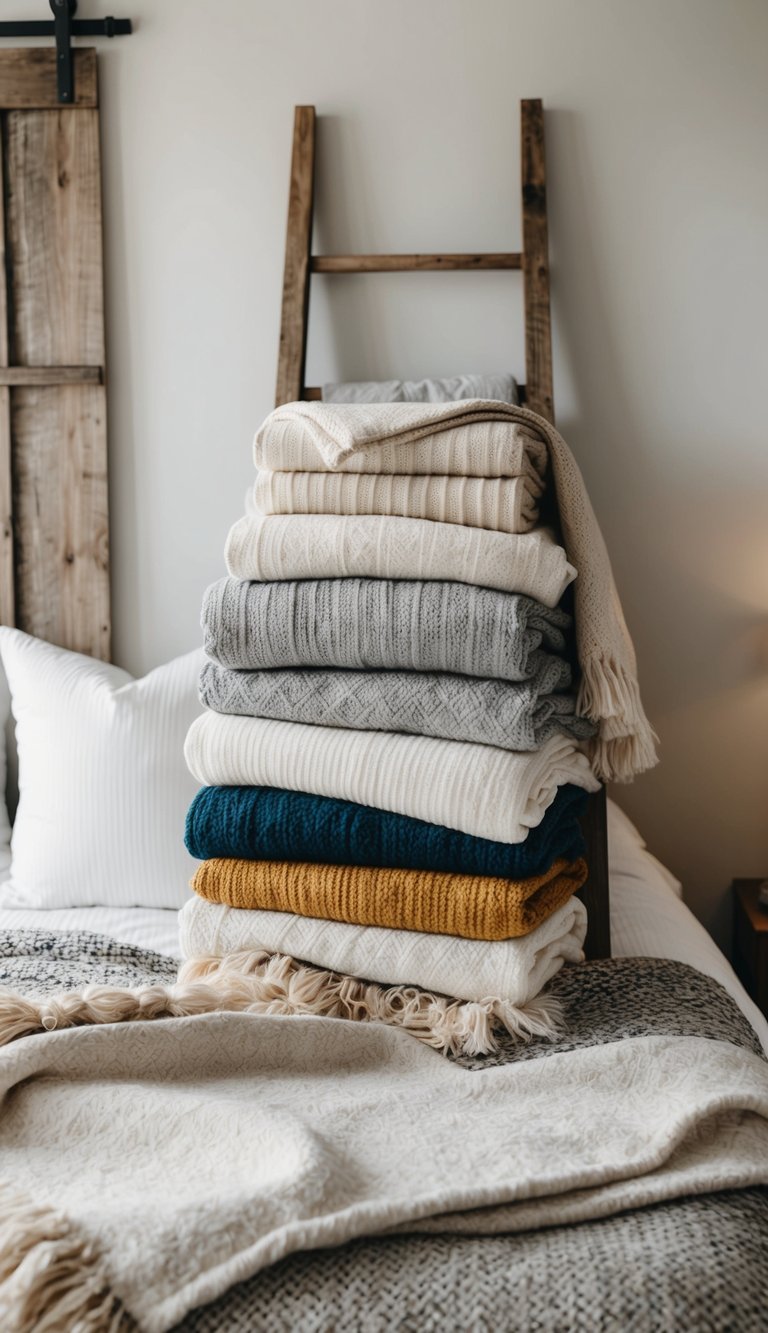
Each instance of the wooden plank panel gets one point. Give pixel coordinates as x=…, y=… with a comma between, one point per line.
x=61, y=516
x=7, y=607
x=54, y=238
x=18, y=376
x=292, y=355
x=28, y=78
x=538, y=332
x=413, y=263
x=594, y=894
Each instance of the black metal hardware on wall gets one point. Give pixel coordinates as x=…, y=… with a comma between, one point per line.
x=64, y=27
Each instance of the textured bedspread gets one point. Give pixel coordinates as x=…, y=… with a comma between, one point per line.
x=693, y=1262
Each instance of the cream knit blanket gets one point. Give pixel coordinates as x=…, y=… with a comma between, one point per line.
x=502, y=505
x=514, y=970
x=147, y=1167
x=320, y=546
x=477, y=789
x=408, y=439
x=484, y=438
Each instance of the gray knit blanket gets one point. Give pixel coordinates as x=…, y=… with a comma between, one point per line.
x=695, y=1264
x=385, y=624
x=513, y=716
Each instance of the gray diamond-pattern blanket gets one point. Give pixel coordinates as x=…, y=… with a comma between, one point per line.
x=513, y=715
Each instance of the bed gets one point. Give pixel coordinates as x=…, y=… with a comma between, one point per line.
x=692, y=1261
x=637, y=1244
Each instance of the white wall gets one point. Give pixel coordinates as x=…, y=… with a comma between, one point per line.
x=657, y=123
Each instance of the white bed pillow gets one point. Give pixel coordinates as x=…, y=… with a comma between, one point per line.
x=103, y=786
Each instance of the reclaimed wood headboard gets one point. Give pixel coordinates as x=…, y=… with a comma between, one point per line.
x=54, y=524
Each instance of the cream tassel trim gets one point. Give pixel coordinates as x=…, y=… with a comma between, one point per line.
x=263, y=983
x=626, y=742
x=51, y=1279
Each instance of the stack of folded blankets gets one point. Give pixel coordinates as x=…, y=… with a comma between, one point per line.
x=394, y=753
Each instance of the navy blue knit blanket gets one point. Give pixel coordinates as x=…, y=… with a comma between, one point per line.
x=269, y=824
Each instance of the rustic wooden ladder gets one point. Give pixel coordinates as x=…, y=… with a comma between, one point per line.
x=301, y=263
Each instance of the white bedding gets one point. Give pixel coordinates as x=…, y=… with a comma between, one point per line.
x=648, y=919
x=147, y=927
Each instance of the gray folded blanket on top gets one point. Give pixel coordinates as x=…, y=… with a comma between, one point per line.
x=502, y=386
x=388, y=624
x=513, y=716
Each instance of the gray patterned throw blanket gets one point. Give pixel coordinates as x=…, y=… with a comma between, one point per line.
x=512, y=715
x=690, y=1255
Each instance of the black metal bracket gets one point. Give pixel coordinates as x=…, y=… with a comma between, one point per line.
x=64, y=27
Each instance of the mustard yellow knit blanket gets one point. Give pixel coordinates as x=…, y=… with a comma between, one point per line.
x=474, y=907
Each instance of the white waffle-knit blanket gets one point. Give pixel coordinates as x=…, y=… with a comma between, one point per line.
x=478, y=789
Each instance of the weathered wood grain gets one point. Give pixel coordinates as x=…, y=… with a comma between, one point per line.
x=30, y=376
x=28, y=78
x=292, y=356
x=54, y=238
x=413, y=263
x=53, y=363
x=538, y=329
x=61, y=522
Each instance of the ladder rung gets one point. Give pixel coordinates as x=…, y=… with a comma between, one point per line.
x=411, y=263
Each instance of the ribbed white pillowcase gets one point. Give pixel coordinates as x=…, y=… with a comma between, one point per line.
x=103, y=786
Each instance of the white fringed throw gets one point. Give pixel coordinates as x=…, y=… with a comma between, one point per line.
x=505, y=972
x=485, y=438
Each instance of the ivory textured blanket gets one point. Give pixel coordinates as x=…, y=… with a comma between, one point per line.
x=515, y=971
x=499, y=504
x=408, y=440
x=466, y=438
x=477, y=789
x=456, y=708
x=385, y=624
x=310, y=546
x=679, y=1103
x=475, y=907
x=266, y=824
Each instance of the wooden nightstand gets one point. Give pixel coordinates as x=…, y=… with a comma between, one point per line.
x=750, y=940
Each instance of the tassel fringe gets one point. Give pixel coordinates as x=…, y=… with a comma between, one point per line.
x=626, y=743
x=51, y=1277
x=263, y=983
